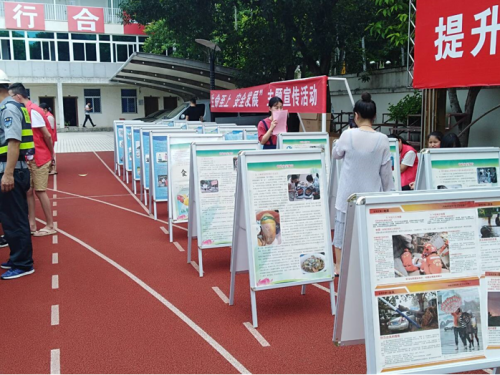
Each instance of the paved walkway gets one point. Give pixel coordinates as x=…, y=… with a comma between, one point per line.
x=84, y=142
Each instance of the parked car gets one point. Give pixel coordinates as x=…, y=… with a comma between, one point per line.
x=155, y=116
x=219, y=117
x=398, y=323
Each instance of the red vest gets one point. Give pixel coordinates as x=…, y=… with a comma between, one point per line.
x=42, y=152
x=410, y=174
x=53, y=131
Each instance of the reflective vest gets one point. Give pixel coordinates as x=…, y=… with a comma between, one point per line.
x=42, y=155
x=27, y=146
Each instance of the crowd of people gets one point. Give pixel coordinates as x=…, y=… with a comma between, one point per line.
x=27, y=158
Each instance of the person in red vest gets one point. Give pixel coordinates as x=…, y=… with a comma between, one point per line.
x=409, y=162
x=407, y=259
x=53, y=129
x=41, y=163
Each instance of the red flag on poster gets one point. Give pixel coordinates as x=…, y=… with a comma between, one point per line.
x=24, y=16
x=85, y=19
x=299, y=96
x=456, y=44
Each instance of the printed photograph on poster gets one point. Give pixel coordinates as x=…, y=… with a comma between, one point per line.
x=121, y=144
x=161, y=157
x=120, y=133
x=303, y=186
x=162, y=181
x=489, y=222
x=408, y=313
x=493, y=309
x=209, y=186
x=182, y=203
x=269, y=227
x=421, y=254
x=137, y=145
x=487, y=175
x=460, y=320
x=235, y=163
x=312, y=263
x=138, y=169
x=445, y=187
x=146, y=158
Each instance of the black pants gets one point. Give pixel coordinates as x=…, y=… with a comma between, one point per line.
x=14, y=219
x=87, y=117
x=459, y=331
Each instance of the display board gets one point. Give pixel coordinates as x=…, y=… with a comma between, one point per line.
x=127, y=150
x=396, y=162
x=158, y=173
x=251, y=135
x=235, y=133
x=145, y=162
x=410, y=262
x=136, y=157
x=179, y=163
x=280, y=240
x=210, y=129
x=118, y=145
x=212, y=186
x=458, y=168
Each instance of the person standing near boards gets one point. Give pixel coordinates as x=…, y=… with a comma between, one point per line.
x=16, y=143
x=367, y=165
x=193, y=113
x=409, y=162
x=88, y=111
x=265, y=128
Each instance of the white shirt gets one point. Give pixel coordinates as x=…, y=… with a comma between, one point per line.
x=37, y=120
x=409, y=158
x=52, y=122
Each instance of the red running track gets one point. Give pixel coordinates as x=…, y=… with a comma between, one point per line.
x=129, y=302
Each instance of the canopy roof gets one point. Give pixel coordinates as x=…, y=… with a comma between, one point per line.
x=186, y=78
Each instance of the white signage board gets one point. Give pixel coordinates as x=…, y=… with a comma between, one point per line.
x=235, y=133
x=118, y=135
x=179, y=163
x=212, y=186
x=458, y=168
x=421, y=271
x=282, y=241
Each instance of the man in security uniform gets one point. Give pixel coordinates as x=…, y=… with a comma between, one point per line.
x=16, y=142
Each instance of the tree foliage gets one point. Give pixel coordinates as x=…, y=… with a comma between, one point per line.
x=265, y=39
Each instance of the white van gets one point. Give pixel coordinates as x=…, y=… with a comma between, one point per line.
x=219, y=117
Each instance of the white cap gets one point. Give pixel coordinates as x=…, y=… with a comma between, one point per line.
x=3, y=78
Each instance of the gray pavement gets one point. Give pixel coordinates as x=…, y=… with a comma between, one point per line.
x=84, y=142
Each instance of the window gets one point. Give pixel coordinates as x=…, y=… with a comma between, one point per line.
x=40, y=35
x=62, y=36
x=129, y=101
x=121, y=52
x=104, y=37
x=83, y=37
x=19, y=49
x=90, y=52
x=93, y=96
x=121, y=38
x=105, y=52
x=63, y=51
x=79, y=51
x=5, y=49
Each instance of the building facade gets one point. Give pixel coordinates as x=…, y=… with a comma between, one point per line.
x=65, y=52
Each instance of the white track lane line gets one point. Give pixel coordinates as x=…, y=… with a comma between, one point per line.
x=324, y=288
x=124, y=185
x=54, y=213
x=97, y=196
x=54, y=315
x=55, y=225
x=54, y=204
x=55, y=361
x=120, y=208
x=55, y=258
x=221, y=294
x=178, y=246
x=195, y=266
x=164, y=230
x=262, y=341
x=55, y=182
x=205, y=336
x=488, y=370
x=55, y=239
x=54, y=196
x=55, y=281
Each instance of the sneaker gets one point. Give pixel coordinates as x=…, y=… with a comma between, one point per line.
x=3, y=242
x=7, y=265
x=15, y=273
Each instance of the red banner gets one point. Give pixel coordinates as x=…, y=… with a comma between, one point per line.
x=85, y=19
x=299, y=96
x=456, y=44
x=24, y=16
x=133, y=29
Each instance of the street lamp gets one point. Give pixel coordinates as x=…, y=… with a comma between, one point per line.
x=213, y=49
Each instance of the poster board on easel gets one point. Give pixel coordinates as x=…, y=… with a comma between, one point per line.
x=158, y=168
x=179, y=163
x=212, y=186
x=118, y=145
x=272, y=228
x=234, y=133
x=411, y=311
x=458, y=168
x=127, y=146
